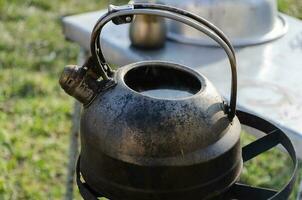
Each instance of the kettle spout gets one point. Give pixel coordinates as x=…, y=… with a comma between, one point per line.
x=74, y=83
x=83, y=84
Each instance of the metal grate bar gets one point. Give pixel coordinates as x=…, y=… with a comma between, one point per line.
x=261, y=145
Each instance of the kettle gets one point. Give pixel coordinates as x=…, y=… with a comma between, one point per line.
x=154, y=129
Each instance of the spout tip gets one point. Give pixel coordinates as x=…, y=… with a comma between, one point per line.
x=72, y=81
x=69, y=77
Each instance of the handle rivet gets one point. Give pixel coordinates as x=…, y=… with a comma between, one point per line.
x=128, y=19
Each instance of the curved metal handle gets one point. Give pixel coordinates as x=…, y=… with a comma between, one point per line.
x=124, y=14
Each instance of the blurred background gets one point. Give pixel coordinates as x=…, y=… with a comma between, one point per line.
x=35, y=114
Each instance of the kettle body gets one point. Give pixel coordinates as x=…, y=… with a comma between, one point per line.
x=154, y=129
x=139, y=146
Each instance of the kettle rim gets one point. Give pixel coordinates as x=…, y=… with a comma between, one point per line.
x=125, y=70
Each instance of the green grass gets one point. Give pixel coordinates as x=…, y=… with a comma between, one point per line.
x=291, y=7
x=35, y=113
x=269, y=170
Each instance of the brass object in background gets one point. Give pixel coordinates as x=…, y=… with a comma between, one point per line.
x=147, y=31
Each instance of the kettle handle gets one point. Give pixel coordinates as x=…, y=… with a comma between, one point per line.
x=124, y=14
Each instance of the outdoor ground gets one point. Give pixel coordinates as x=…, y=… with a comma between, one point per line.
x=35, y=113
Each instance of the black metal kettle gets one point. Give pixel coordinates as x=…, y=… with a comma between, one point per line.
x=154, y=129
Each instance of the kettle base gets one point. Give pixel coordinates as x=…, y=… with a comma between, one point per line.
x=212, y=190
